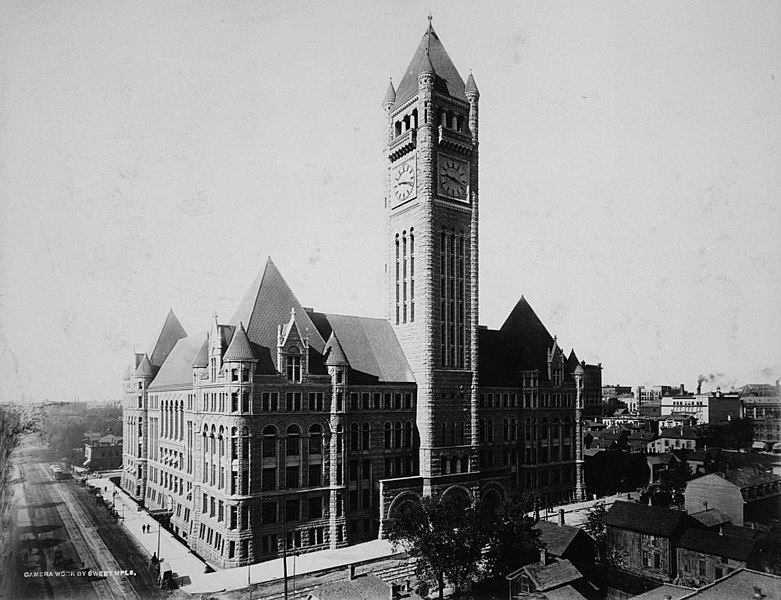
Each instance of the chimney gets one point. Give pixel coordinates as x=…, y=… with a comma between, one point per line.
x=758, y=595
x=561, y=516
x=699, y=387
x=393, y=591
x=351, y=571
x=543, y=556
x=721, y=529
x=667, y=597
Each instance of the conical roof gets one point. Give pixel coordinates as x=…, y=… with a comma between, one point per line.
x=201, y=359
x=390, y=94
x=144, y=368
x=240, y=348
x=471, y=86
x=447, y=80
x=425, y=65
x=336, y=357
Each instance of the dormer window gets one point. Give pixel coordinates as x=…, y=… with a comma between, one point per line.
x=293, y=365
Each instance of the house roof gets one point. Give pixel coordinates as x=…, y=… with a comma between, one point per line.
x=369, y=345
x=363, y=587
x=710, y=517
x=171, y=332
x=653, y=520
x=710, y=542
x=177, y=370
x=744, y=477
x=557, y=538
x=144, y=368
x=742, y=583
x=446, y=80
x=679, y=433
x=546, y=577
x=566, y=592
x=674, y=592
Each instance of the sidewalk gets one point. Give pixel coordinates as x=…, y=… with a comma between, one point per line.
x=575, y=513
x=184, y=563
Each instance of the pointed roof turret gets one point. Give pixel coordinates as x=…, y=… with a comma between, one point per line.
x=240, y=348
x=336, y=357
x=426, y=68
x=201, y=359
x=144, y=368
x=171, y=332
x=471, y=87
x=447, y=80
x=390, y=94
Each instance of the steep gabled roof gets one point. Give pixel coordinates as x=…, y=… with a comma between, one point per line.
x=334, y=352
x=171, y=332
x=447, y=79
x=522, y=343
x=557, y=538
x=653, y=520
x=201, y=359
x=546, y=577
x=177, y=370
x=267, y=305
x=370, y=347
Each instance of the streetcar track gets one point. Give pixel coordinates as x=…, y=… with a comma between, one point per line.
x=75, y=519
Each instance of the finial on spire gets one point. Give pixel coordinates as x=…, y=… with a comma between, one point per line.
x=429, y=17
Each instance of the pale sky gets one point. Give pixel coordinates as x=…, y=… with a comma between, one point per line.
x=153, y=154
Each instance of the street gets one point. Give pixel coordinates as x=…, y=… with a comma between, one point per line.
x=66, y=545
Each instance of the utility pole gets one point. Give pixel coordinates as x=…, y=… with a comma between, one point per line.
x=284, y=544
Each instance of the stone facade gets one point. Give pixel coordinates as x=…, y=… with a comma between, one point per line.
x=288, y=428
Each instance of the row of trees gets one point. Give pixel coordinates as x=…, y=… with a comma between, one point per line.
x=457, y=543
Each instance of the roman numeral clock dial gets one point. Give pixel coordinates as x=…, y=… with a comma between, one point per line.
x=404, y=182
x=453, y=178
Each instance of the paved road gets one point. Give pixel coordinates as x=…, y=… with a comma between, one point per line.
x=59, y=533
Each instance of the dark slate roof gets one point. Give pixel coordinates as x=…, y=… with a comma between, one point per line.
x=522, y=343
x=177, y=370
x=171, y=332
x=446, y=81
x=201, y=359
x=557, y=538
x=264, y=308
x=390, y=94
x=652, y=520
x=739, y=531
x=471, y=86
x=363, y=587
x=710, y=517
x=334, y=354
x=710, y=542
x=240, y=347
x=684, y=433
x=744, y=477
x=740, y=584
x=144, y=368
x=370, y=347
x=546, y=577
x=675, y=592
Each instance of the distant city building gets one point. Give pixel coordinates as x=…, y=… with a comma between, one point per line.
x=676, y=438
x=613, y=391
x=710, y=408
x=762, y=404
x=654, y=393
x=103, y=454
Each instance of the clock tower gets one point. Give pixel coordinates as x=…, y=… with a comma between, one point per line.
x=431, y=200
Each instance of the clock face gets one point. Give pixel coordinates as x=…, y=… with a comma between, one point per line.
x=453, y=178
x=404, y=181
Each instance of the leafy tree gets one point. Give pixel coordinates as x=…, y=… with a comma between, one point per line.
x=769, y=549
x=512, y=541
x=612, y=405
x=446, y=537
x=595, y=526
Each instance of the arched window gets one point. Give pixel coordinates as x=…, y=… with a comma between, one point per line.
x=339, y=439
x=489, y=430
x=269, y=441
x=315, y=439
x=212, y=442
x=397, y=435
x=355, y=439
x=293, y=441
x=221, y=442
x=555, y=428
x=408, y=434
x=366, y=437
x=388, y=435
x=293, y=365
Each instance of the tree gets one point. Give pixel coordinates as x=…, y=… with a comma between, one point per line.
x=612, y=405
x=445, y=536
x=595, y=527
x=512, y=540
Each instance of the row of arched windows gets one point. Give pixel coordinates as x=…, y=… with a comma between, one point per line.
x=293, y=438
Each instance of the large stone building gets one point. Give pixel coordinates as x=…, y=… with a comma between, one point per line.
x=287, y=425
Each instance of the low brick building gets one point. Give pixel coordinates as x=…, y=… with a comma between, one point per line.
x=103, y=454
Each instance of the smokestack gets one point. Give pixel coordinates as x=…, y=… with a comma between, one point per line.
x=561, y=517
x=699, y=387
